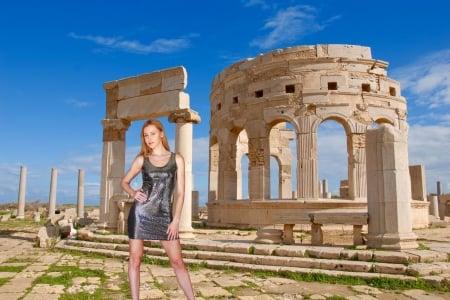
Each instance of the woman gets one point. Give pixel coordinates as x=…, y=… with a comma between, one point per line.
x=151, y=216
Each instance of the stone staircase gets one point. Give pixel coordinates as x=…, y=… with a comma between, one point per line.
x=249, y=256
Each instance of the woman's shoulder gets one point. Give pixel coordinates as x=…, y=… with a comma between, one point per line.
x=178, y=158
x=139, y=159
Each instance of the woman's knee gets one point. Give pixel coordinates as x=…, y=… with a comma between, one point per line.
x=177, y=264
x=135, y=260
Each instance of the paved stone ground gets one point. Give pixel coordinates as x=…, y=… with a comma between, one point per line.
x=30, y=273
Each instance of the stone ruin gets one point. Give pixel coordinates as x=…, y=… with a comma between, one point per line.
x=252, y=103
x=258, y=107
x=154, y=95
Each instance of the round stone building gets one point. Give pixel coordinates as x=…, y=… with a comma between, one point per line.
x=261, y=106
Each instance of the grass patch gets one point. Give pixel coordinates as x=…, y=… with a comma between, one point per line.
x=4, y=280
x=14, y=269
x=423, y=247
x=155, y=261
x=20, y=225
x=196, y=267
x=381, y=282
x=81, y=253
x=12, y=260
x=97, y=295
x=67, y=273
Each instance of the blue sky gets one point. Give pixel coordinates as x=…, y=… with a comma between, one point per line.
x=55, y=57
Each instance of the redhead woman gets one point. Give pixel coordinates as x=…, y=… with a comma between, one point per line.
x=152, y=216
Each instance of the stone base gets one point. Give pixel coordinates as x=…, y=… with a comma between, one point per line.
x=392, y=241
x=186, y=235
x=269, y=236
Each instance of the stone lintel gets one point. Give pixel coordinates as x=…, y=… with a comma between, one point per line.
x=150, y=83
x=156, y=105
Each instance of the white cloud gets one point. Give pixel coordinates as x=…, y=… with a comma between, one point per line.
x=289, y=25
x=78, y=103
x=261, y=3
x=427, y=80
x=161, y=45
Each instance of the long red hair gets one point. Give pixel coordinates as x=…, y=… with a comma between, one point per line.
x=145, y=150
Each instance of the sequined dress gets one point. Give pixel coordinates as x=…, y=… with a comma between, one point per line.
x=149, y=220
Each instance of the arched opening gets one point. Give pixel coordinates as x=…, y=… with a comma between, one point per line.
x=332, y=159
x=283, y=161
x=243, y=195
x=242, y=163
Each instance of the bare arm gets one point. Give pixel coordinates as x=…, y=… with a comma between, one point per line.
x=134, y=170
x=173, y=228
x=179, y=196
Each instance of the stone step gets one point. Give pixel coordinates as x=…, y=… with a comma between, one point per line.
x=333, y=261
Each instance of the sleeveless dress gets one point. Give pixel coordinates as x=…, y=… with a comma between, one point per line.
x=149, y=220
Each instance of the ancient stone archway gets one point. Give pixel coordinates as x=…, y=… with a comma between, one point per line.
x=153, y=95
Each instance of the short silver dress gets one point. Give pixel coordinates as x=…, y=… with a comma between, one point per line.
x=149, y=220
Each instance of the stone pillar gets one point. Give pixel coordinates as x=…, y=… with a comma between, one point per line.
x=183, y=144
x=195, y=204
x=80, y=196
x=418, y=182
x=434, y=206
x=357, y=180
x=259, y=165
x=285, y=181
x=113, y=166
x=213, y=180
x=389, y=190
x=442, y=203
x=227, y=176
x=22, y=189
x=307, y=173
x=324, y=189
x=52, y=195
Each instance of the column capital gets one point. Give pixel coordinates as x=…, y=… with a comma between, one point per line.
x=114, y=129
x=184, y=116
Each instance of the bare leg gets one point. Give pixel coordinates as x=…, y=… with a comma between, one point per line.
x=134, y=266
x=173, y=251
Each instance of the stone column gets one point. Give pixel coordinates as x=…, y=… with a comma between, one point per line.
x=357, y=181
x=183, y=120
x=80, y=198
x=113, y=166
x=52, y=196
x=213, y=180
x=438, y=188
x=195, y=199
x=307, y=178
x=227, y=175
x=259, y=165
x=418, y=182
x=389, y=190
x=434, y=206
x=324, y=189
x=22, y=189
